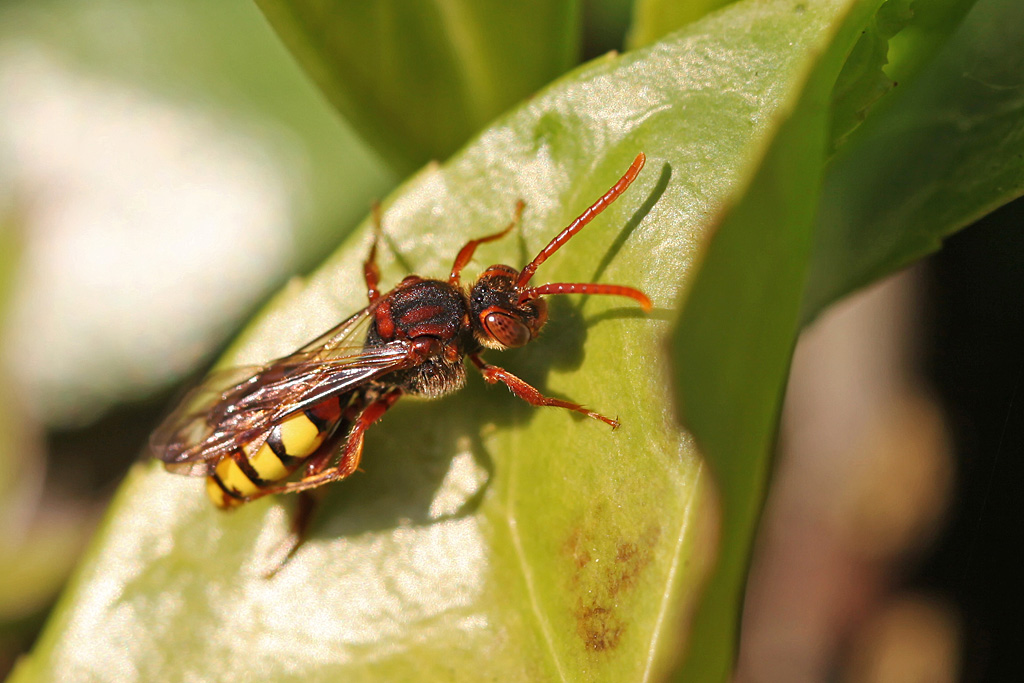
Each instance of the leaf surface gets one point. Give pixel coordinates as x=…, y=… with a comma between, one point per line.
x=944, y=149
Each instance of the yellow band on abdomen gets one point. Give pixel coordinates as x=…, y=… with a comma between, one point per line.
x=299, y=436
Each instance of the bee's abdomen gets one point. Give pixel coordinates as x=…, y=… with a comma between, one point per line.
x=243, y=474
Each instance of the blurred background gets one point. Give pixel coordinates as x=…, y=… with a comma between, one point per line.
x=889, y=548
x=165, y=165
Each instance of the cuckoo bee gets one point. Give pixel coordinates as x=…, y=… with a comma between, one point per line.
x=298, y=422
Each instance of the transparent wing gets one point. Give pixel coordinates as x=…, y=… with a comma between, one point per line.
x=238, y=406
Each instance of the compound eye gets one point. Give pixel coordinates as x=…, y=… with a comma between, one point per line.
x=506, y=330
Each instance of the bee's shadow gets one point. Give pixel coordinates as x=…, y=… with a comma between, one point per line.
x=425, y=462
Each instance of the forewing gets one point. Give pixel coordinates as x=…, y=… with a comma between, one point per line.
x=237, y=407
x=189, y=425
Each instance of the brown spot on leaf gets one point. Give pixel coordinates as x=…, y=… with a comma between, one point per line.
x=605, y=569
x=599, y=627
x=579, y=554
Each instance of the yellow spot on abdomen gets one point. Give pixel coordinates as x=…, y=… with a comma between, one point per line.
x=217, y=495
x=234, y=478
x=299, y=436
x=267, y=465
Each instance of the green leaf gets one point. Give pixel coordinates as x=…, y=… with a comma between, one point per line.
x=862, y=80
x=416, y=79
x=484, y=535
x=945, y=149
x=916, y=44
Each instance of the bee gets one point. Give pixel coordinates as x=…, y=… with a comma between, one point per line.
x=299, y=422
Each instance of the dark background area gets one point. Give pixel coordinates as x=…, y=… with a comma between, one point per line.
x=976, y=361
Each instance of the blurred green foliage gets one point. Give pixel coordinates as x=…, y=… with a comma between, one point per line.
x=654, y=19
x=418, y=78
x=38, y=545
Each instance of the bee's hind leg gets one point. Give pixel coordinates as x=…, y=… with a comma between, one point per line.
x=319, y=473
x=301, y=519
x=348, y=461
x=306, y=504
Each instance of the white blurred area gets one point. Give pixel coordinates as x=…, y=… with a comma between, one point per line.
x=147, y=229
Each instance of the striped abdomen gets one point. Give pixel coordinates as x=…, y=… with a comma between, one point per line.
x=243, y=474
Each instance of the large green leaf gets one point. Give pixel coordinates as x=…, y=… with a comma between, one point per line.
x=418, y=78
x=484, y=537
x=863, y=79
x=734, y=340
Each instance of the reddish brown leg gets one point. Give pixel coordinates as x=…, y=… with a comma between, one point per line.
x=466, y=253
x=305, y=506
x=327, y=451
x=322, y=458
x=371, y=272
x=353, y=451
x=306, y=503
x=493, y=374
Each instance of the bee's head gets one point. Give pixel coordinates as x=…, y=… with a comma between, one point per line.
x=501, y=317
x=508, y=313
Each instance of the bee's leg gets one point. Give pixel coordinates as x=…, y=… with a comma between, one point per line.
x=348, y=462
x=371, y=272
x=531, y=395
x=307, y=501
x=328, y=450
x=466, y=253
x=302, y=518
x=305, y=507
